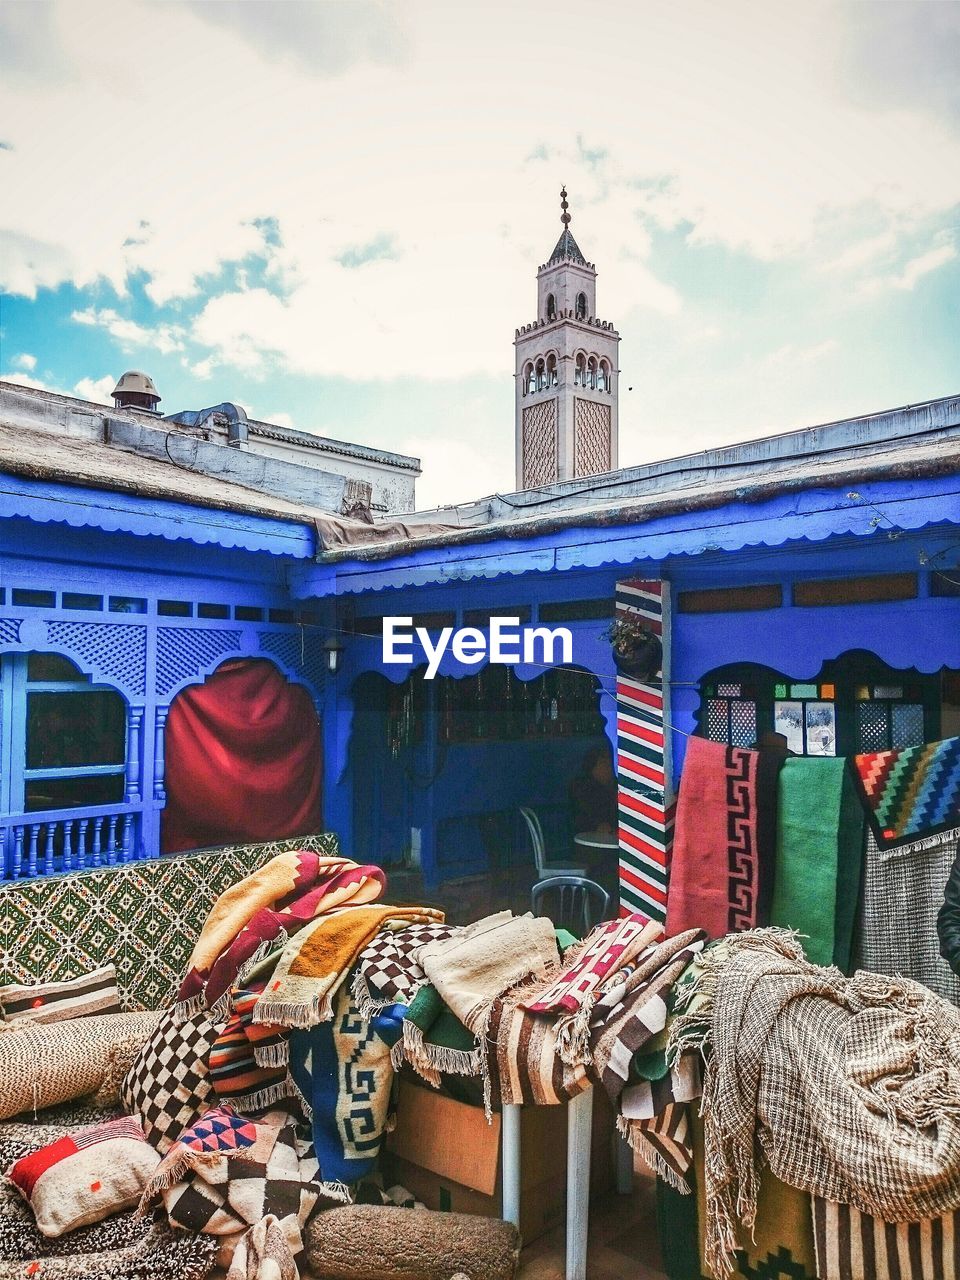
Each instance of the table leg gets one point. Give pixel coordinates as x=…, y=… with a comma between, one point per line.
x=579, y=1135
x=624, y=1167
x=510, y=1161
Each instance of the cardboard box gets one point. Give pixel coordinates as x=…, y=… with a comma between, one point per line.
x=446, y=1154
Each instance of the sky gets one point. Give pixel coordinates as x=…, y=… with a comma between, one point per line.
x=332, y=211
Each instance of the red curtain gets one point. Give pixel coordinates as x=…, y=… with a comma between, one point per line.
x=243, y=760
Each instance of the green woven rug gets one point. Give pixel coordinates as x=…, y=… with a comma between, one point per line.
x=819, y=857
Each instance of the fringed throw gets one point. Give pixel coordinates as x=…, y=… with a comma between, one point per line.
x=851, y=1245
x=848, y=1088
x=227, y=1173
x=318, y=958
x=569, y=1001
x=248, y=1061
x=622, y=1031
x=472, y=968
x=343, y=1073
x=911, y=792
x=283, y=895
x=387, y=972
x=435, y=1042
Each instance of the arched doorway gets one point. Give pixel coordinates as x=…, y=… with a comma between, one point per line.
x=243, y=760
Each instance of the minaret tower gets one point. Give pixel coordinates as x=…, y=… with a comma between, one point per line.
x=566, y=416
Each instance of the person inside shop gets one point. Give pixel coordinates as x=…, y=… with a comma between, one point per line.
x=593, y=793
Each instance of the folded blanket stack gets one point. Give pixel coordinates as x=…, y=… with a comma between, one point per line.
x=275, y=901
x=849, y=1088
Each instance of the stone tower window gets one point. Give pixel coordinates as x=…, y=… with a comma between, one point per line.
x=580, y=372
x=551, y=307
x=552, y=378
x=581, y=306
x=592, y=373
x=541, y=378
x=603, y=377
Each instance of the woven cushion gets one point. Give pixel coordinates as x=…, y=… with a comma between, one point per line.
x=94, y=993
x=169, y=1086
x=121, y=1247
x=41, y=1066
x=85, y=1177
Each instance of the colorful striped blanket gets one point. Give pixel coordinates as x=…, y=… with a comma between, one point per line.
x=912, y=792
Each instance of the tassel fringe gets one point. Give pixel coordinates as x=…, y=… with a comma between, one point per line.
x=293, y=1013
x=650, y=1156
x=272, y=1055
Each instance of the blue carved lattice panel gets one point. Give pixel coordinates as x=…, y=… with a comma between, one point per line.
x=184, y=653
x=116, y=652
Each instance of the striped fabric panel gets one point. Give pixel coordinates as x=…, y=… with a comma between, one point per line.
x=851, y=1245
x=94, y=993
x=125, y=1127
x=646, y=808
x=528, y=1066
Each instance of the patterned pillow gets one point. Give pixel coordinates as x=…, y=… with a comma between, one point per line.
x=94, y=993
x=85, y=1177
x=169, y=1085
x=42, y=1066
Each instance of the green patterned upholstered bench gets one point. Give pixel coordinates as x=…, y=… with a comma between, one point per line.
x=142, y=917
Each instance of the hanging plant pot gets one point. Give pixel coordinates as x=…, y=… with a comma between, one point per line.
x=637, y=652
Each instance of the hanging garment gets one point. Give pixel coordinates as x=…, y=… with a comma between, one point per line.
x=723, y=853
x=819, y=857
x=243, y=760
x=909, y=878
x=911, y=792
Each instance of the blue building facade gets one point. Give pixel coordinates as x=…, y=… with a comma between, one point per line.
x=793, y=592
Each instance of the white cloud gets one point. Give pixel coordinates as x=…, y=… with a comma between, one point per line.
x=460, y=471
x=96, y=389
x=165, y=338
x=25, y=361
x=913, y=270
x=729, y=123
x=790, y=355
x=920, y=266
x=24, y=380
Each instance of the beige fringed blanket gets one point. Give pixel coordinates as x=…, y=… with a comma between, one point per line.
x=318, y=959
x=850, y=1088
x=473, y=967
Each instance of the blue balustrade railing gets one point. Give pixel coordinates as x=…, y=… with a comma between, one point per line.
x=59, y=840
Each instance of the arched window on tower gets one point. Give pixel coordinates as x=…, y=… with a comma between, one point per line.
x=531, y=379
x=551, y=307
x=581, y=306
x=541, y=378
x=580, y=372
x=603, y=376
x=552, y=378
x=592, y=373
x=526, y=382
